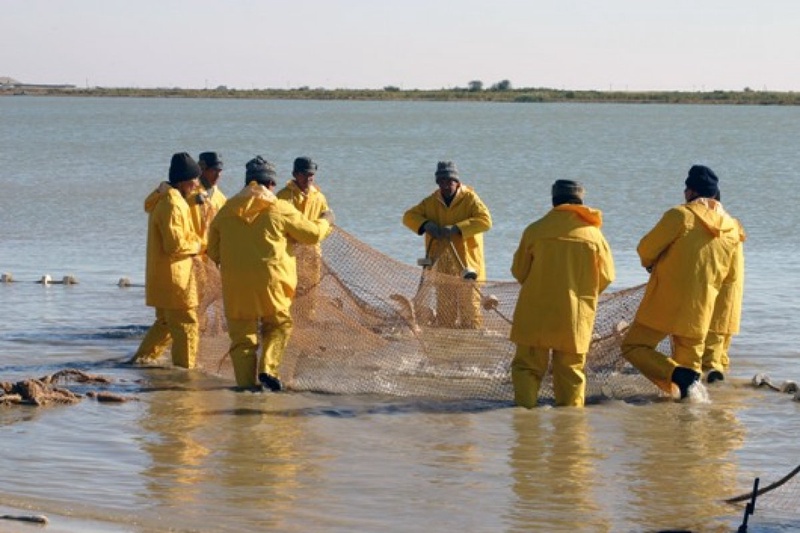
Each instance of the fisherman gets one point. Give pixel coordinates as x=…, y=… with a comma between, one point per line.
x=690, y=254
x=725, y=320
x=303, y=192
x=563, y=263
x=207, y=199
x=453, y=219
x=249, y=240
x=170, y=284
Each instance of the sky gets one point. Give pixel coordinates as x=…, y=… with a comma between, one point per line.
x=634, y=45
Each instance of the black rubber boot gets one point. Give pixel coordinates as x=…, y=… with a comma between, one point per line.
x=714, y=376
x=684, y=378
x=270, y=382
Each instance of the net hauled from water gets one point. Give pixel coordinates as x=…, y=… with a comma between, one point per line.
x=369, y=325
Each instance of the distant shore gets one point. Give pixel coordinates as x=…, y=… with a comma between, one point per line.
x=530, y=95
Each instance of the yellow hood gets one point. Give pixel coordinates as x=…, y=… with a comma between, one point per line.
x=152, y=199
x=250, y=202
x=714, y=218
x=591, y=216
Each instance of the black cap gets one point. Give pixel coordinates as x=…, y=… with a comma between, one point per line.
x=305, y=165
x=183, y=168
x=446, y=169
x=703, y=181
x=210, y=160
x=260, y=170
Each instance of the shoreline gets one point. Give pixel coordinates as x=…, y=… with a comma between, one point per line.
x=530, y=95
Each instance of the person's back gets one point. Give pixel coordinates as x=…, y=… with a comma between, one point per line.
x=249, y=240
x=563, y=263
x=690, y=254
x=255, y=227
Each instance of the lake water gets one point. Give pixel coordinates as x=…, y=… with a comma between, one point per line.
x=191, y=455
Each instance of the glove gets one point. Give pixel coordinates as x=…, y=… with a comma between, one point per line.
x=432, y=229
x=329, y=216
x=450, y=231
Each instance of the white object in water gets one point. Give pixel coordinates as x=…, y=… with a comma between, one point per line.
x=6, y=277
x=124, y=282
x=69, y=279
x=46, y=280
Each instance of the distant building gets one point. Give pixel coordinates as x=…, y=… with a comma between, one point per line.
x=11, y=83
x=8, y=82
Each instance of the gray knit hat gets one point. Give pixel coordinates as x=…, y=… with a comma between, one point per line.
x=446, y=169
x=260, y=170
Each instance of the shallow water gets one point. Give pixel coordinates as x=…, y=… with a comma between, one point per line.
x=190, y=455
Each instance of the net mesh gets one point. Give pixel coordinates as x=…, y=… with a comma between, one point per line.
x=366, y=323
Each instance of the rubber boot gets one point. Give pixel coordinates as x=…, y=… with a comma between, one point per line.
x=684, y=378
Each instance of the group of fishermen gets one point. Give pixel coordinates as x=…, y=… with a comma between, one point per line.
x=694, y=256
x=252, y=238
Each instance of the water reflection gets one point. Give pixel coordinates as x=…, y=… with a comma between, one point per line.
x=172, y=422
x=553, y=470
x=681, y=467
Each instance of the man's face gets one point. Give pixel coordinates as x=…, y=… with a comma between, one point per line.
x=210, y=176
x=304, y=180
x=187, y=187
x=447, y=185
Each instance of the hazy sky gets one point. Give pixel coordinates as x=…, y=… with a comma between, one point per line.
x=425, y=44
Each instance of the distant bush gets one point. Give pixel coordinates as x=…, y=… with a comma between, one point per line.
x=504, y=85
x=391, y=89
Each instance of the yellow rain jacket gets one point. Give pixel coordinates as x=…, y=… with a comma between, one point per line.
x=563, y=263
x=728, y=307
x=466, y=211
x=171, y=243
x=692, y=253
x=248, y=239
x=204, y=205
x=311, y=204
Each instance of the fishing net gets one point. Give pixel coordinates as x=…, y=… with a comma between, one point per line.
x=366, y=323
x=776, y=500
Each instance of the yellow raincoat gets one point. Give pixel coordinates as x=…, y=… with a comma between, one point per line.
x=309, y=258
x=171, y=244
x=563, y=263
x=727, y=314
x=204, y=205
x=692, y=253
x=466, y=211
x=249, y=240
x=457, y=305
x=170, y=284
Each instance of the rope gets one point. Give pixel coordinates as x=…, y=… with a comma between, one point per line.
x=768, y=488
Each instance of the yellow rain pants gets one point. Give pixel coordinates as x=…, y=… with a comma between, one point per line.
x=179, y=326
x=639, y=348
x=530, y=366
x=275, y=333
x=715, y=355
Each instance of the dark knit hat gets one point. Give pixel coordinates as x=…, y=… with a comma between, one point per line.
x=210, y=160
x=183, y=168
x=703, y=181
x=260, y=170
x=446, y=169
x=567, y=189
x=306, y=165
